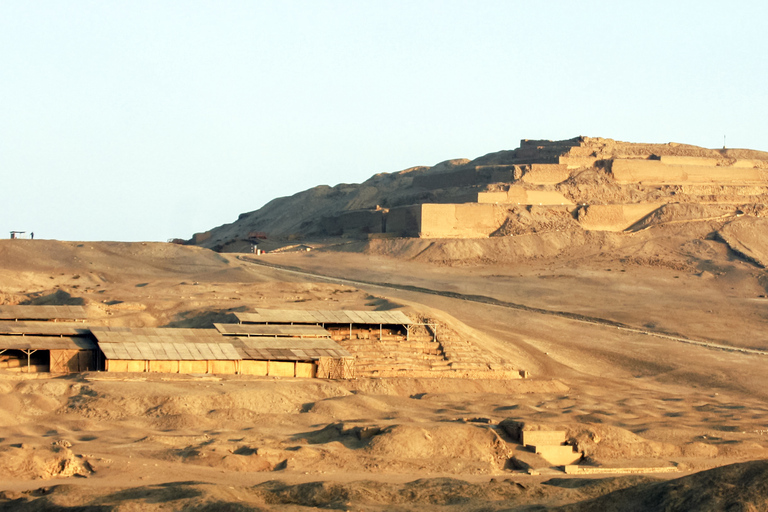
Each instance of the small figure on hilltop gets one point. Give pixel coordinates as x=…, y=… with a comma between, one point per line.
x=32, y=235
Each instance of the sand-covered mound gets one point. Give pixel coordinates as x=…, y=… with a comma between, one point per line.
x=748, y=236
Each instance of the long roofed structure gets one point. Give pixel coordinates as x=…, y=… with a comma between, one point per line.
x=273, y=330
x=322, y=317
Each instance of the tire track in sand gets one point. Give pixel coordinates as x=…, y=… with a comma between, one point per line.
x=483, y=299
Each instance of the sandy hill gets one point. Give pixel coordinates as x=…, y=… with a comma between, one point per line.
x=576, y=186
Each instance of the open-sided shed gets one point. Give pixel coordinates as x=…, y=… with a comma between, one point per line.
x=337, y=321
x=165, y=350
x=57, y=354
x=169, y=350
x=292, y=357
x=273, y=330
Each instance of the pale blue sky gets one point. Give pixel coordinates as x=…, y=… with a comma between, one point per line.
x=144, y=120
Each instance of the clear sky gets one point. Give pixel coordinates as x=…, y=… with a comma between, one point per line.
x=146, y=120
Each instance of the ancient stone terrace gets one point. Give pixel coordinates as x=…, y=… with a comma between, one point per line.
x=603, y=184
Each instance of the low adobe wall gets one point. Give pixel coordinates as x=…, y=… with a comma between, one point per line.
x=614, y=217
x=519, y=195
x=656, y=172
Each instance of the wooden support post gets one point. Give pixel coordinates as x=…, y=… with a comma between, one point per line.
x=350, y=331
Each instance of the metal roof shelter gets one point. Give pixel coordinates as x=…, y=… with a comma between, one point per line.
x=209, y=351
x=141, y=351
x=155, y=335
x=320, y=317
x=45, y=343
x=283, y=349
x=325, y=318
x=66, y=354
x=47, y=313
x=42, y=329
x=164, y=344
x=273, y=330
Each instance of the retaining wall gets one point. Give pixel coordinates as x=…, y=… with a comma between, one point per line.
x=546, y=174
x=469, y=220
x=519, y=195
x=614, y=217
x=656, y=172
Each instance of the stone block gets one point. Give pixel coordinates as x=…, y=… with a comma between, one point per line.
x=543, y=437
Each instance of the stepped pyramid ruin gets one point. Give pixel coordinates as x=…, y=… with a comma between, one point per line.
x=582, y=183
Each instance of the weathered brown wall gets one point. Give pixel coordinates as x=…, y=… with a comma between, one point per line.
x=72, y=361
x=404, y=220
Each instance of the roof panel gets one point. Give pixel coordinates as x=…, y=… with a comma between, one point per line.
x=44, y=328
x=17, y=312
x=11, y=342
x=121, y=351
x=282, y=316
x=205, y=352
x=111, y=351
x=272, y=330
x=230, y=352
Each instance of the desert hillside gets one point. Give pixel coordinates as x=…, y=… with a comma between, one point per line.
x=567, y=190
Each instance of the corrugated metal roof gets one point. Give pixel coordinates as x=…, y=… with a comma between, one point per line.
x=155, y=335
x=42, y=313
x=163, y=344
x=284, y=349
x=287, y=316
x=273, y=330
x=43, y=329
x=170, y=352
x=45, y=343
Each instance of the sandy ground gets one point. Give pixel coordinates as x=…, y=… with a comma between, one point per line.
x=160, y=442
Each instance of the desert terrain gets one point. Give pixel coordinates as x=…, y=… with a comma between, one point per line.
x=645, y=345
x=170, y=442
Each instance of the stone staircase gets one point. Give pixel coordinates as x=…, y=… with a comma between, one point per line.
x=418, y=355
x=394, y=353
